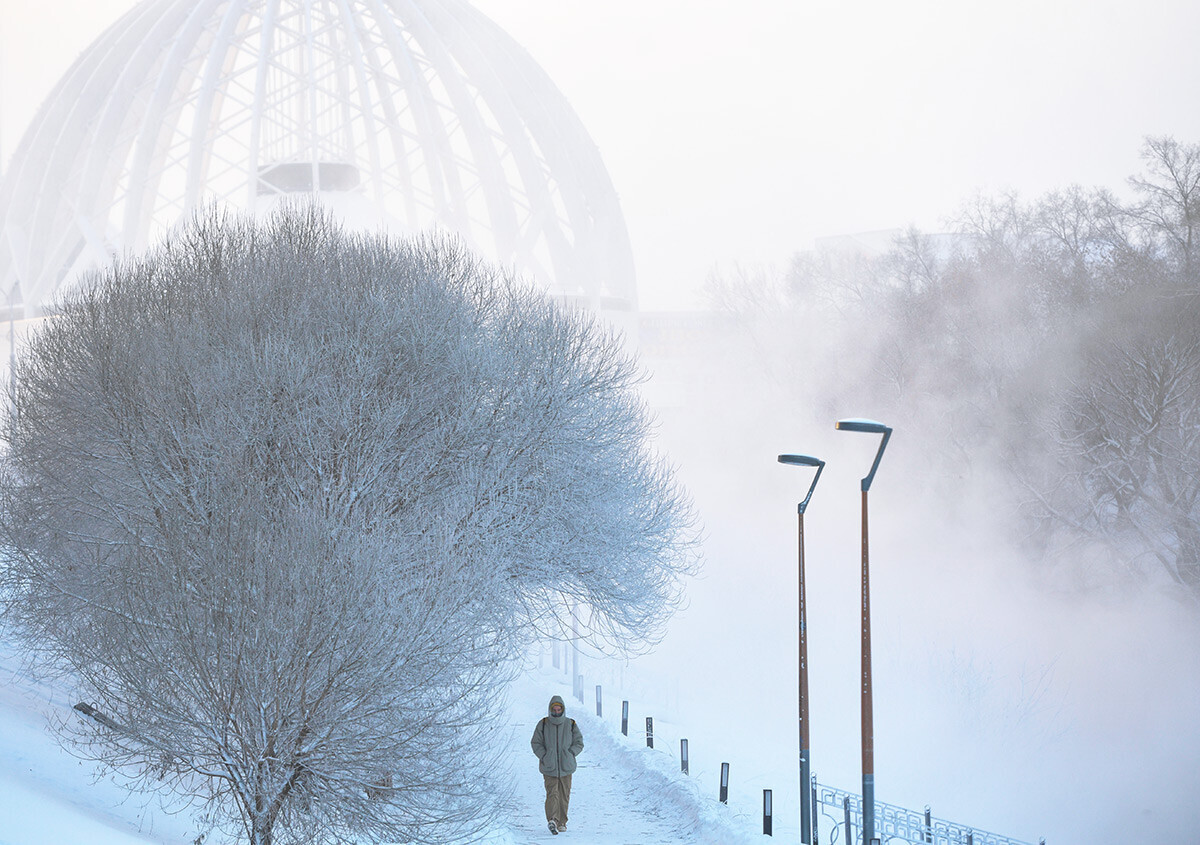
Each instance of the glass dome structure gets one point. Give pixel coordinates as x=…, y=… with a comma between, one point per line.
x=414, y=114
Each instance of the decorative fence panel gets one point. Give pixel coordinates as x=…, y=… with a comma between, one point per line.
x=895, y=824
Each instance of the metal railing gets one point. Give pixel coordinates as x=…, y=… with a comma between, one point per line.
x=837, y=816
x=892, y=823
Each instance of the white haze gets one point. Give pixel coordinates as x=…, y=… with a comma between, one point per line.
x=740, y=131
x=1006, y=697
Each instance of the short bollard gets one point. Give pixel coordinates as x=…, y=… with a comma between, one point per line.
x=846, y=818
x=724, y=783
x=599, y=702
x=683, y=759
x=624, y=718
x=928, y=824
x=970, y=837
x=767, y=813
x=649, y=732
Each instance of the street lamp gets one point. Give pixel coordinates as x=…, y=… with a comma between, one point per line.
x=805, y=766
x=868, y=730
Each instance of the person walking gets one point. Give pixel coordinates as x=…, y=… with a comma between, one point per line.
x=557, y=741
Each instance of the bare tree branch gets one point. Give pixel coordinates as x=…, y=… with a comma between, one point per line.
x=284, y=503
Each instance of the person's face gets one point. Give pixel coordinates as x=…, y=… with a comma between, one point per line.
x=556, y=709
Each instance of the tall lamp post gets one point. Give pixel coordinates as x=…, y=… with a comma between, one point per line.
x=868, y=730
x=805, y=766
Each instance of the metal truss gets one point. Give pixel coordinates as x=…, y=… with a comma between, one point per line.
x=412, y=114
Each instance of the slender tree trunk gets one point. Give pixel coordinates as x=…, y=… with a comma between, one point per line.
x=260, y=834
x=262, y=823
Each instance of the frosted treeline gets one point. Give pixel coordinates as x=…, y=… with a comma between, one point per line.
x=1043, y=355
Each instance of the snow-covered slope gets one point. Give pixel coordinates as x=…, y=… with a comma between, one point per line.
x=48, y=797
x=623, y=793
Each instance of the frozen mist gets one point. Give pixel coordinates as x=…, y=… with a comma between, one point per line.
x=1024, y=707
x=1004, y=698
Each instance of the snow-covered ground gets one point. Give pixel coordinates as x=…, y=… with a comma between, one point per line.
x=624, y=793
x=48, y=797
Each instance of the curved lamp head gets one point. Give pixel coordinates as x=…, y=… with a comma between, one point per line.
x=868, y=427
x=804, y=461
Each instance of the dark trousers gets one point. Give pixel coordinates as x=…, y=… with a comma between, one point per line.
x=558, y=796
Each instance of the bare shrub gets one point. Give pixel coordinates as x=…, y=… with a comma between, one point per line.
x=282, y=502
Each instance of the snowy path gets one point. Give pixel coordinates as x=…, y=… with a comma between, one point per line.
x=605, y=809
x=603, y=812
x=621, y=794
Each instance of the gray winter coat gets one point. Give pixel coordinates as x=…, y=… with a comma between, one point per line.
x=556, y=741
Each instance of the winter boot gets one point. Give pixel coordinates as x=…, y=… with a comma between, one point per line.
x=553, y=827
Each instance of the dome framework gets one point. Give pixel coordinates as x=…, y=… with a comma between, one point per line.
x=414, y=114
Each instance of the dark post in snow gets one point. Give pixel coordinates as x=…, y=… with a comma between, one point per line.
x=846, y=819
x=767, y=813
x=92, y=713
x=625, y=718
x=928, y=824
x=868, y=729
x=816, y=815
x=599, y=702
x=576, y=680
x=724, y=783
x=683, y=757
x=649, y=732
x=805, y=764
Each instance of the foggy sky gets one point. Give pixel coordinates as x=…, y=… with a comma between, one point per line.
x=740, y=131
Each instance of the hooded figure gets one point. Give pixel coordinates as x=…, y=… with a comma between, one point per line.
x=557, y=741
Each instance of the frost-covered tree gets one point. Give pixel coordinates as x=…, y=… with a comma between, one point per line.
x=1168, y=209
x=1125, y=459
x=1051, y=343
x=281, y=503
